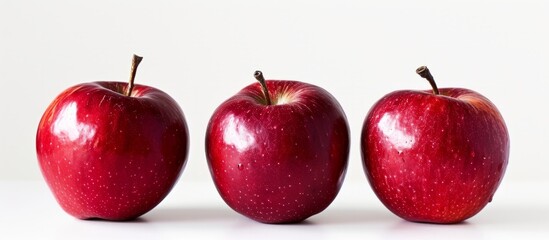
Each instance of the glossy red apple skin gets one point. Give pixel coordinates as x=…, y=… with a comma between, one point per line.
x=279, y=163
x=109, y=156
x=435, y=158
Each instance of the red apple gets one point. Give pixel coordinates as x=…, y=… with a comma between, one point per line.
x=278, y=160
x=434, y=156
x=111, y=150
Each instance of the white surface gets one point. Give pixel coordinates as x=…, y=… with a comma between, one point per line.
x=195, y=211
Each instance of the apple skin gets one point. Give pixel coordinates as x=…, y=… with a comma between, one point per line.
x=108, y=156
x=279, y=163
x=434, y=158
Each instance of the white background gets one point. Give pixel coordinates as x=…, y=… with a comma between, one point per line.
x=202, y=52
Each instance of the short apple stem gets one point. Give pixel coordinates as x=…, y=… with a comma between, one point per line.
x=259, y=76
x=424, y=72
x=135, y=62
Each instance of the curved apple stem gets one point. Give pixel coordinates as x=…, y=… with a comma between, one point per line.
x=259, y=77
x=424, y=72
x=135, y=62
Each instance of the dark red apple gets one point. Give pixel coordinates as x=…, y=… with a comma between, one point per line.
x=278, y=150
x=111, y=150
x=434, y=156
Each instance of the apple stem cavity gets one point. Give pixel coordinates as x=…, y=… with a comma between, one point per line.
x=135, y=62
x=259, y=76
x=424, y=72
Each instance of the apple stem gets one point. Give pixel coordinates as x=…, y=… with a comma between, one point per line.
x=424, y=72
x=135, y=62
x=259, y=76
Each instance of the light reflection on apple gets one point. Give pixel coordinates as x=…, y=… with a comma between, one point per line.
x=394, y=132
x=68, y=126
x=236, y=134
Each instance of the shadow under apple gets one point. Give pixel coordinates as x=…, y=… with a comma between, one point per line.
x=189, y=214
x=345, y=216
